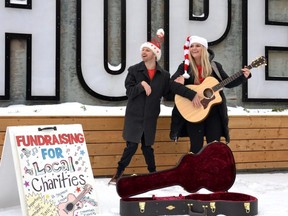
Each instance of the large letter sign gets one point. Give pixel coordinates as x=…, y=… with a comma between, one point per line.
x=181, y=26
x=102, y=68
x=38, y=26
x=95, y=79
x=264, y=38
x=90, y=66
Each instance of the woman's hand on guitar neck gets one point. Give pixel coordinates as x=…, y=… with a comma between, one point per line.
x=246, y=72
x=196, y=102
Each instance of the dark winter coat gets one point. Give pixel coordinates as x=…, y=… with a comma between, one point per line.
x=142, y=111
x=178, y=128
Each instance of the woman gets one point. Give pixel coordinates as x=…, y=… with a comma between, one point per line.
x=196, y=67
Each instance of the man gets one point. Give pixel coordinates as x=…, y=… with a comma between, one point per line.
x=146, y=83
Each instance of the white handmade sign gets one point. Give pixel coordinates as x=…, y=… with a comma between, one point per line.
x=47, y=169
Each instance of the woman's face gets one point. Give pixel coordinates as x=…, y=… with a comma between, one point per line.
x=196, y=50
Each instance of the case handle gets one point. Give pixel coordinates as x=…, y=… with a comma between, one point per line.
x=192, y=213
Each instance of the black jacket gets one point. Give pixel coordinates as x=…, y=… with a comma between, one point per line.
x=178, y=128
x=142, y=111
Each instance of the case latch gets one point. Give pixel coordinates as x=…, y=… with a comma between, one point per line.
x=142, y=207
x=213, y=207
x=247, y=207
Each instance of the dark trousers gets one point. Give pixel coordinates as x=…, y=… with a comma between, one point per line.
x=211, y=128
x=130, y=150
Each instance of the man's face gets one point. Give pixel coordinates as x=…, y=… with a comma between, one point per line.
x=147, y=54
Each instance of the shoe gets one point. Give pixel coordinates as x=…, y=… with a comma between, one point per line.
x=114, y=179
x=173, y=137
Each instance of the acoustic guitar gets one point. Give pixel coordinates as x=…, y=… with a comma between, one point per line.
x=73, y=203
x=208, y=91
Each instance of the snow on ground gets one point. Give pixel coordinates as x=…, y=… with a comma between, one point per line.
x=271, y=190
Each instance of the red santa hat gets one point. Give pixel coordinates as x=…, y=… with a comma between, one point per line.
x=190, y=40
x=155, y=44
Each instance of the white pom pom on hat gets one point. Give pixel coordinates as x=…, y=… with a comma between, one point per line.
x=190, y=40
x=155, y=44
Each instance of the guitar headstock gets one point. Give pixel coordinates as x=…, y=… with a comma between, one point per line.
x=258, y=62
x=87, y=188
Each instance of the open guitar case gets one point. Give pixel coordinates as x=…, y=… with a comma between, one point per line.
x=213, y=168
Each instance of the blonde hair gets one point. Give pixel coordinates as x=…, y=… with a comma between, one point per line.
x=205, y=63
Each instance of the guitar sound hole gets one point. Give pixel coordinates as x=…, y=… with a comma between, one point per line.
x=70, y=207
x=208, y=93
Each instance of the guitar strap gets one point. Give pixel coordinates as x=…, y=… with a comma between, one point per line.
x=215, y=69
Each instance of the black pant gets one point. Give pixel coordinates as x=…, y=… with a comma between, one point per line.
x=130, y=150
x=211, y=128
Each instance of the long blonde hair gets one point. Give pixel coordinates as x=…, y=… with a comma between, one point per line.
x=205, y=63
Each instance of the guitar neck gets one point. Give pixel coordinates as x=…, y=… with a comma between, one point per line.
x=134, y=185
x=81, y=195
x=228, y=80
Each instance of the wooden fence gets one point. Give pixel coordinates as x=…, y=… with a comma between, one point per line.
x=257, y=142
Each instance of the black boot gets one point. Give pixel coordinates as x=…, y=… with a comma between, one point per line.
x=114, y=179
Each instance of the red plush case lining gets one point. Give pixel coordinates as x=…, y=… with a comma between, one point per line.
x=217, y=196
x=213, y=168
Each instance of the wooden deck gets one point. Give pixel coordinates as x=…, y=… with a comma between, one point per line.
x=258, y=142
